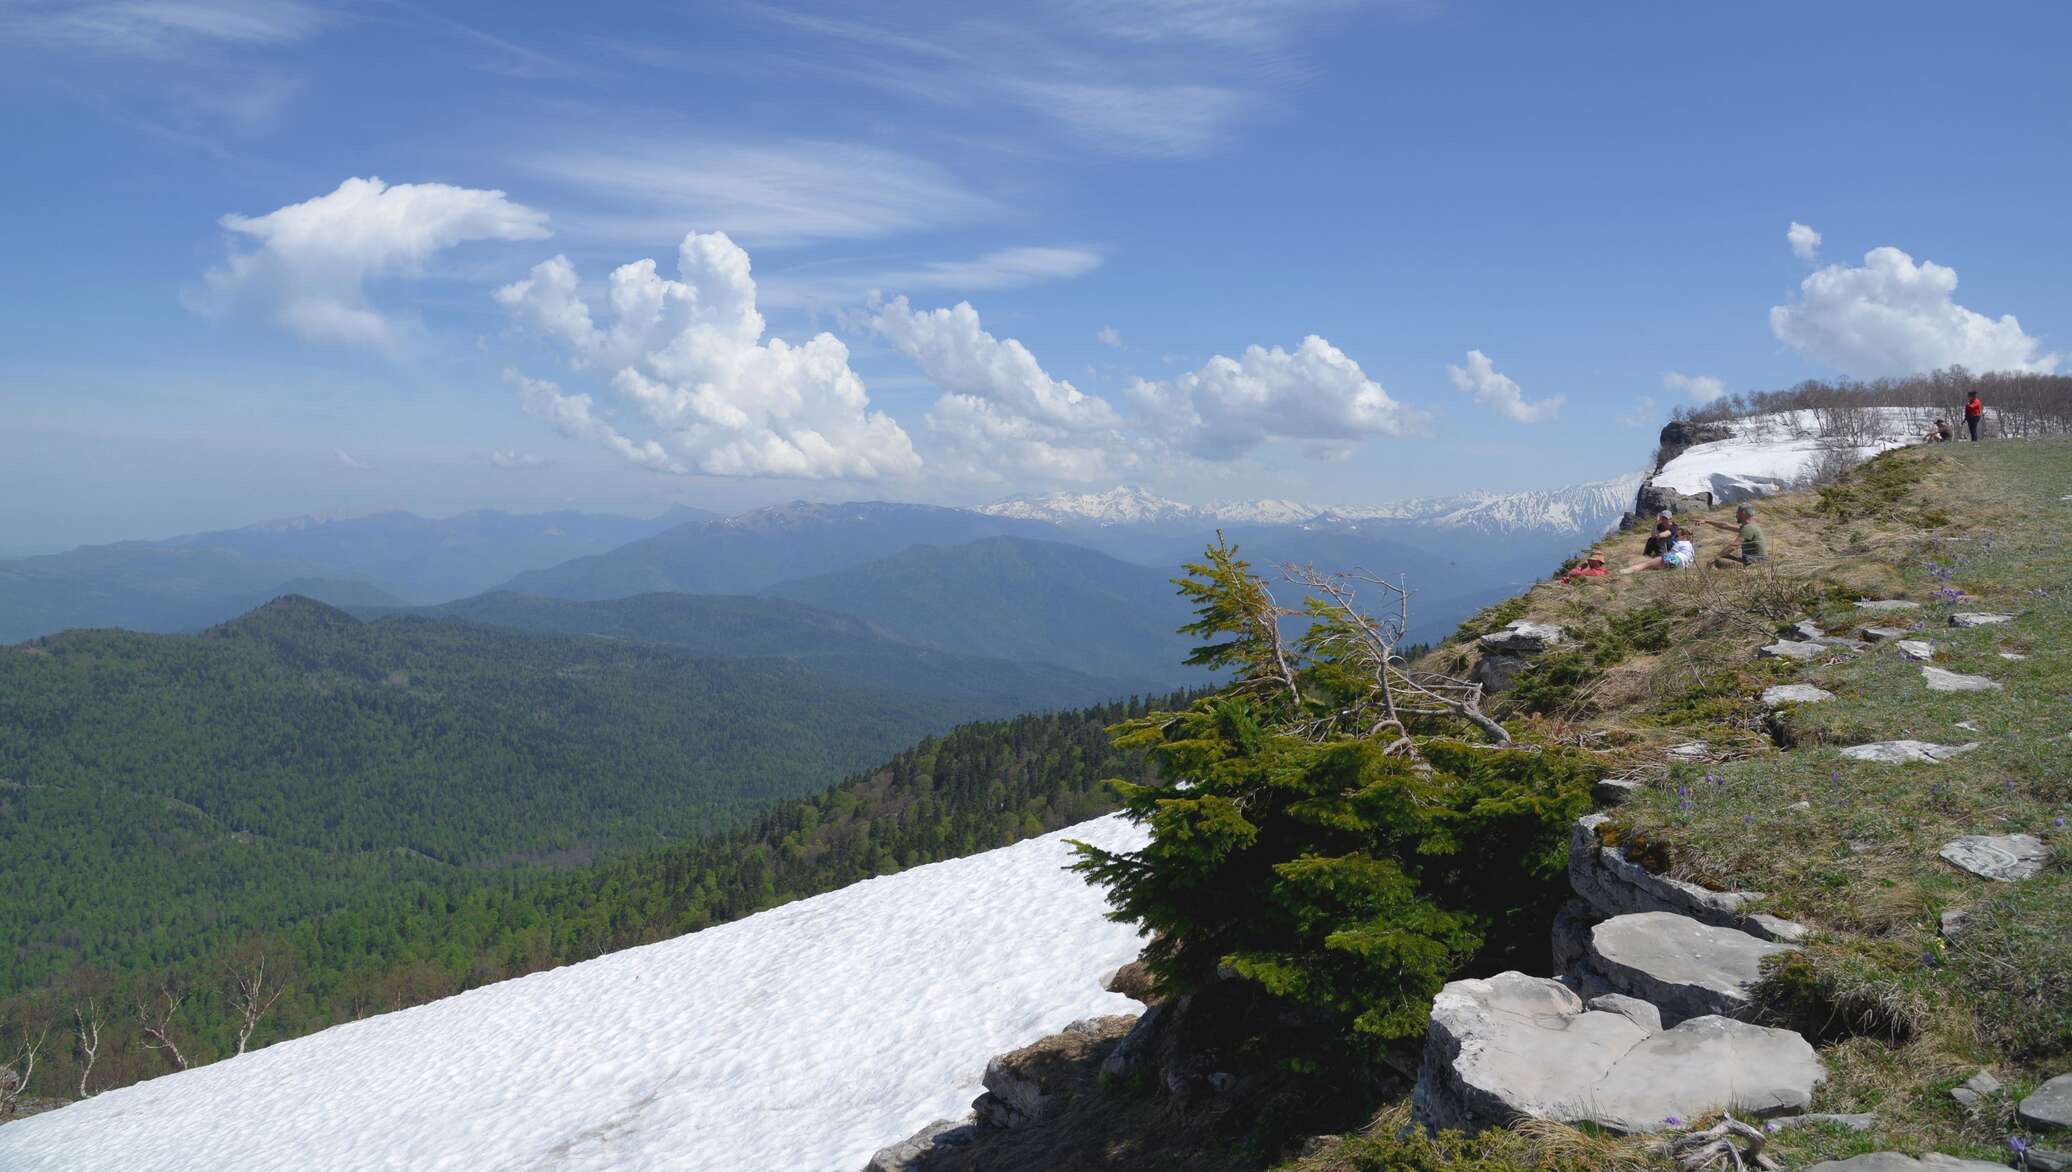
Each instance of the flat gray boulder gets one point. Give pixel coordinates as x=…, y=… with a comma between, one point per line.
x=2049, y=1107
x=1512, y=1046
x=1918, y=650
x=1886, y=604
x=1787, y=649
x=1523, y=638
x=1979, y=619
x=1807, y=629
x=1684, y=968
x=2013, y=656
x=907, y=1155
x=1897, y=1162
x=1906, y=752
x=1795, y=694
x=1881, y=634
x=1689, y=751
x=1943, y=680
x=2007, y=858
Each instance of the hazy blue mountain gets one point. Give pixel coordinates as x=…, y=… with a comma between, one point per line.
x=1029, y=601
x=189, y=582
x=424, y=559
x=841, y=647
x=744, y=554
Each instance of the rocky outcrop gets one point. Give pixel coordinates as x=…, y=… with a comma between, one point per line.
x=1613, y=884
x=1505, y=653
x=2048, y=1107
x=1684, y=968
x=1677, y=437
x=1514, y=1046
x=1780, y=694
x=911, y=1154
x=1027, y=1085
x=1941, y=680
x=1979, y=619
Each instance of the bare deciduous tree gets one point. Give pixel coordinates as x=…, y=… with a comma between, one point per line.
x=1353, y=637
x=156, y=1010
x=86, y=996
x=21, y=1066
x=256, y=974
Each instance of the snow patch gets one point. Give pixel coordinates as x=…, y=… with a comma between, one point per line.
x=1771, y=453
x=805, y=1037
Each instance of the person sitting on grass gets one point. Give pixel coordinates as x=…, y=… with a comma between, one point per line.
x=1754, y=548
x=1941, y=433
x=1658, y=541
x=1592, y=567
x=1679, y=556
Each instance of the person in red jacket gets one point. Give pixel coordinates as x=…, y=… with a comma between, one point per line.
x=1974, y=410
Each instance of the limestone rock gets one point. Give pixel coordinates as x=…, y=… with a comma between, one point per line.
x=1496, y=672
x=1807, y=629
x=1906, y=752
x=1786, y=649
x=2007, y=858
x=1027, y=1085
x=1881, y=634
x=1886, y=604
x=1633, y=1009
x=1134, y=981
x=1756, y=1070
x=1952, y=923
x=1616, y=885
x=1689, y=751
x=2040, y=1159
x=1941, y=680
x=1513, y=1046
x=2014, y=656
x=1523, y=638
x=2048, y=1107
x=908, y=1155
x=1570, y=935
x=1685, y=968
x=1795, y=694
x=1975, y=1090
x=1917, y=650
x=1898, y=1162
x=1979, y=619
x=1610, y=791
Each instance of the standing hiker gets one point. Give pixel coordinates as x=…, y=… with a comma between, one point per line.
x=1974, y=410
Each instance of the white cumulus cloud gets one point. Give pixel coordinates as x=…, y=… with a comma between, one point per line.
x=310, y=269
x=1231, y=406
x=1491, y=388
x=1001, y=411
x=1702, y=388
x=688, y=357
x=1805, y=242
x=1891, y=316
x=1109, y=336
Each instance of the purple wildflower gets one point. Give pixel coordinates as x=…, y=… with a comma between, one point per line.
x=1673, y=1120
x=2017, y=1144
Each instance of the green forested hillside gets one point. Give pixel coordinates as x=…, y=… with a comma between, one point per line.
x=159, y=794
x=842, y=646
x=395, y=931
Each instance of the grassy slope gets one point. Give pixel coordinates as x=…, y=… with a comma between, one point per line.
x=1665, y=659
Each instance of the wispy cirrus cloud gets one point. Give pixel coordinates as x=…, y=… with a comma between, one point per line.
x=795, y=191
x=1002, y=268
x=162, y=28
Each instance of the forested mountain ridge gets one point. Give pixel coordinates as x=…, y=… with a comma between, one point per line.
x=165, y=792
x=1027, y=600
x=418, y=931
x=843, y=646
x=744, y=554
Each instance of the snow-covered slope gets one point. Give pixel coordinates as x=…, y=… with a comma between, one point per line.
x=1583, y=508
x=1769, y=453
x=805, y=1037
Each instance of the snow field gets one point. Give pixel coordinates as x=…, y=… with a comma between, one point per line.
x=1771, y=453
x=801, y=1038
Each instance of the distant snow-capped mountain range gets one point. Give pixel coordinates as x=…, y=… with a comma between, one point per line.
x=1581, y=508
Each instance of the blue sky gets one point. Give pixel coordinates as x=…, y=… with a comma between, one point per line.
x=218, y=315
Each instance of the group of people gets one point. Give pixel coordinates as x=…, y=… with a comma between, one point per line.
x=1942, y=432
x=1671, y=547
